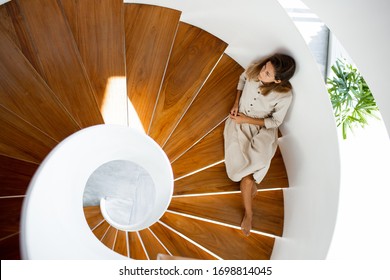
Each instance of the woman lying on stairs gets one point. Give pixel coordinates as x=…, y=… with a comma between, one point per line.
x=264, y=95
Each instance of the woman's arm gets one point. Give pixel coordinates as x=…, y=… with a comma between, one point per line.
x=234, y=110
x=241, y=118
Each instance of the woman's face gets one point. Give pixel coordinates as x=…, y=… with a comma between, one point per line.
x=267, y=74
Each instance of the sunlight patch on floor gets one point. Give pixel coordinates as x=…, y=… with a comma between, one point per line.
x=116, y=107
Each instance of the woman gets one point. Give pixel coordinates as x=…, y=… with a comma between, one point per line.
x=264, y=95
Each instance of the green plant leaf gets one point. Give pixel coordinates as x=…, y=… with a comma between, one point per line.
x=350, y=96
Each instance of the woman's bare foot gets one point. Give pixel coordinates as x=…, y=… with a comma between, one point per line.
x=246, y=224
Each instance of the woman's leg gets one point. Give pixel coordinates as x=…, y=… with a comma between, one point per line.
x=248, y=192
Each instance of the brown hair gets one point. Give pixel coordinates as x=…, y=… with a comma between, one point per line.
x=284, y=70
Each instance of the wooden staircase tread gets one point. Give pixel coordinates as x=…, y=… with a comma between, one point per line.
x=98, y=29
x=6, y=22
x=10, y=209
x=210, y=180
x=20, y=140
x=152, y=245
x=93, y=215
x=12, y=21
x=101, y=230
x=60, y=59
x=109, y=238
x=194, y=54
x=121, y=243
x=207, y=151
x=137, y=252
x=15, y=176
x=227, y=243
x=24, y=91
x=215, y=179
x=150, y=32
x=179, y=246
x=10, y=248
x=268, y=210
x=210, y=107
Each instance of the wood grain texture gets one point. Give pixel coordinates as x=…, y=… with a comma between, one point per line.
x=179, y=246
x=10, y=209
x=121, y=243
x=268, y=209
x=109, y=237
x=210, y=107
x=152, y=245
x=20, y=35
x=194, y=55
x=93, y=215
x=101, y=230
x=15, y=175
x=10, y=248
x=150, y=32
x=60, y=59
x=215, y=179
x=98, y=30
x=210, y=180
x=276, y=176
x=21, y=140
x=137, y=252
x=7, y=24
x=227, y=243
x=25, y=93
x=207, y=151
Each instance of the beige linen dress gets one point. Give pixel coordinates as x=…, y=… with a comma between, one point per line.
x=249, y=148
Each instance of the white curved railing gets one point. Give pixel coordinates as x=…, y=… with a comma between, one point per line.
x=53, y=225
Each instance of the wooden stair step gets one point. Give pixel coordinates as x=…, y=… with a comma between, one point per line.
x=150, y=32
x=207, y=151
x=93, y=215
x=10, y=209
x=7, y=24
x=21, y=140
x=137, y=252
x=59, y=58
x=227, y=243
x=215, y=179
x=25, y=93
x=101, y=230
x=152, y=245
x=194, y=55
x=10, y=248
x=12, y=21
x=210, y=180
x=15, y=176
x=210, y=107
x=268, y=210
x=179, y=246
x=121, y=243
x=98, y=30
x=109, y=238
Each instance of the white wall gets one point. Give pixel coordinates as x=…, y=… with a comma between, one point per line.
x=362, y=27
x=363, y=225
x=254, y=28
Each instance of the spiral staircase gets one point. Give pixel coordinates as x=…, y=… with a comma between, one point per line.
x=56, y=60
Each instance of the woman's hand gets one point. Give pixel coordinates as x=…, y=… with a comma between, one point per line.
x=234, y=110
x=240, y=118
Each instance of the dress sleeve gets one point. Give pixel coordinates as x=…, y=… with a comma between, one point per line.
x=277, y=116
x=241, y=81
